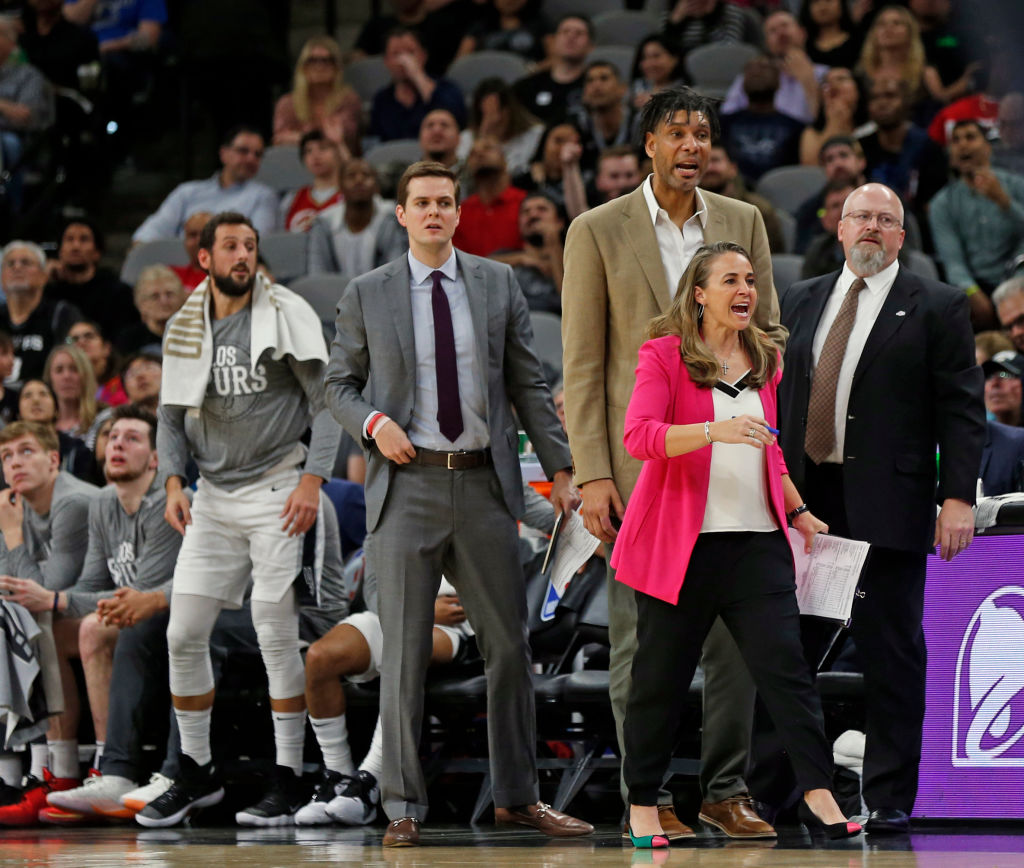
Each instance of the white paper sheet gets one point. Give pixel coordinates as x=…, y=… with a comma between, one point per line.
x=574, y=546
x=826, y=579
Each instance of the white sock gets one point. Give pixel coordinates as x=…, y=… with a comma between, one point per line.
x=64, y=758
x=40, y=753
x=98, y=755
x=332, y=736
x=373, y=762
x=10, y=768
x=289, y=734
x=194, y=729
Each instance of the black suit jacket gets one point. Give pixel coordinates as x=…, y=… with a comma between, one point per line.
x=1002, y=460
x=915, y=388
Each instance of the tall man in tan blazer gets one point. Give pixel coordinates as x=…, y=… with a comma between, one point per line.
x=623, y=262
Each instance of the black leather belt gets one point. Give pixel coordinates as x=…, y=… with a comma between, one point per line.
x=462, y=460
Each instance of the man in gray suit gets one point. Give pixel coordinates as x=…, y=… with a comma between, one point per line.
x=431, y=353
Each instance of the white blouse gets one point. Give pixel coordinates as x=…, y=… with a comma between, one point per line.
x=737, y=490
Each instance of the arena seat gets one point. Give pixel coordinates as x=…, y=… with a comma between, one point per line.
x=713, y=67
x=624, y=27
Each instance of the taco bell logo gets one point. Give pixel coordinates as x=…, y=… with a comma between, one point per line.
x=988, y=694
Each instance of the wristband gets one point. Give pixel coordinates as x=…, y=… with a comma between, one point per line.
x=56, y=600
x=707, y=432
x=973, y=289
x=374, y=421
x=800, y=510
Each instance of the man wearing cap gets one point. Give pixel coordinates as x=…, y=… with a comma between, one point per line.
x=1003, y=387
x=1002, y=460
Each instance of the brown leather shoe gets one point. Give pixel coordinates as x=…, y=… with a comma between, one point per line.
x=736, y=817
x=545, y=819
x=402, y=833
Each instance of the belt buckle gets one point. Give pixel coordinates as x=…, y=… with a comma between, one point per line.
x=448, y=460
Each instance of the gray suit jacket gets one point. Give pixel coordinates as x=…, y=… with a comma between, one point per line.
x=373, y=367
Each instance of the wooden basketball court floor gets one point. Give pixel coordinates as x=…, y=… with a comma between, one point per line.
x=124, y=846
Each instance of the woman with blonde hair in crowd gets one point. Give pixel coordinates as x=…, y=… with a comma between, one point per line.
x=320, y=99
x=69, y=373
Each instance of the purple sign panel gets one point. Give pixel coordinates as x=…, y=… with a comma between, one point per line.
x=972, y=762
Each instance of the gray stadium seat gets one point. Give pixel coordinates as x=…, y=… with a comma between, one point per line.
x=282, y=169
x=285, y=254
x=396, y=151
x=163, y=251
x=547, y=338
x=467, y=72
x=555, y=9
x=787, y=222
x=367, y=76
x=322, y=291
x=626, y=27
x=712, y=67
x=921, y=263
x=788, y=187
x=786, y=270
x=620, y=55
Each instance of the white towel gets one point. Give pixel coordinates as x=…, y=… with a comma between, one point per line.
x=281, y=321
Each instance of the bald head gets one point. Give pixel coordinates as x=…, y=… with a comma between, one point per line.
x=871, y=229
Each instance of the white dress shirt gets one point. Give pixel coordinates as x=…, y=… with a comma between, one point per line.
x=676, y=247
x=872, y=297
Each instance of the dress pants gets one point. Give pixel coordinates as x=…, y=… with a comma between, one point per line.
x=746, y=579
x=886, y=627
x=728, y=696
x=453, y=522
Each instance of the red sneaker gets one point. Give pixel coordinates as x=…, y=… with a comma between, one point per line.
x=59, y=817
x=25, y=812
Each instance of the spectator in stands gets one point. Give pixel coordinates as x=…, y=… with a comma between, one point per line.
x=77, y=278
x=988, y=343
x=233, y=188
x=141, y=376
x=538, y=265
x=618, y=172
x=26, y=98
x=893, y=49
x=439, y=138
x=1008, y=300
x=842, y=113
x=399, y=108
x=8, y=394
x=192, y=275
x=944, y=49
x=319, y=100
x=106, y=367
x=899, y=153
x=496, y=111
x=605, y=119
x=658, y=64
x=69, y=373
x=441, y=24
x=798, y=93
x=832, y=37
x=760, y=137
x=1000, y=77
x=45, y=535
x=1008, y=152
x=360, y=233
x=692, y=23
x=1003, y=387
x=99, y=452
x=977, y=220
x=555, y=170
x=825, y=254
x=35, y=322
x=840, y=157
x=553, y=94
x=55, y=46
x=490, y=217
x=37, y=403
x=158, y=295
x=323, y=159
x=516, y=26
x=722, y=176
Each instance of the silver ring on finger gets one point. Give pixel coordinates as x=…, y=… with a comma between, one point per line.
x=752, y=433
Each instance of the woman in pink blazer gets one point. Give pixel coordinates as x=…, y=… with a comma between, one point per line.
x=704, y=533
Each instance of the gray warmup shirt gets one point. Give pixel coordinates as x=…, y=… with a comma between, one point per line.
x=125, y=551
x=249, y=422
x=55, y=544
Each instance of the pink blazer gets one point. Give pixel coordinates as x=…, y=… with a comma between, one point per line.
x=666, y=509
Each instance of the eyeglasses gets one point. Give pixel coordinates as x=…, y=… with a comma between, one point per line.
x=1014, y=324
x=863, y=218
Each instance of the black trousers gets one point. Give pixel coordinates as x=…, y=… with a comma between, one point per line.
x=747, y=579
x=886, y=627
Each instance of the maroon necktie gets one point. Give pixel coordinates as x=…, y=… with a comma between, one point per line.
x=449, y=410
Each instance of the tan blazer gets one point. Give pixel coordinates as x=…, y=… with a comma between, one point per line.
x=614, y=285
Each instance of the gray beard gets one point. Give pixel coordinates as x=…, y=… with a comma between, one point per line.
x=866, y=263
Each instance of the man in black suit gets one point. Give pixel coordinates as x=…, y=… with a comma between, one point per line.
x=861, y=415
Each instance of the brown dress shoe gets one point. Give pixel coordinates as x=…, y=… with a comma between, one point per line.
x=544, y=818
x=736, y=817
x=402, y=833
